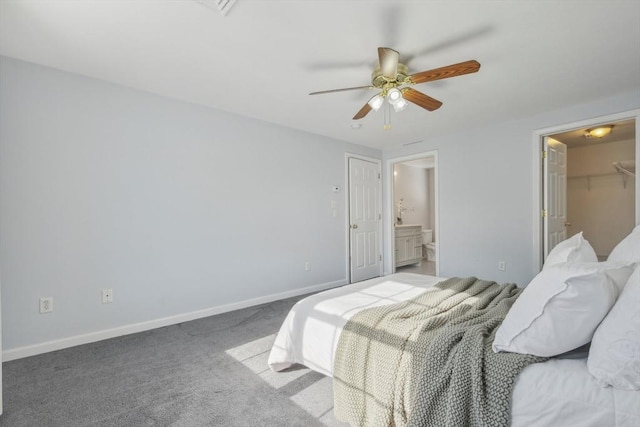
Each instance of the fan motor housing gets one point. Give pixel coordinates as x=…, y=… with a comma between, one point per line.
x=379, y=81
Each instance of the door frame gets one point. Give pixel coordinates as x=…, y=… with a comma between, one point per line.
x=389, y=215
x=347, y=203
x=538, y=183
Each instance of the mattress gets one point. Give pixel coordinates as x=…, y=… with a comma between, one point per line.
x=556, y=392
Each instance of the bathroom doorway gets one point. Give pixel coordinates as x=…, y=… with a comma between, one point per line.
x=413, y=214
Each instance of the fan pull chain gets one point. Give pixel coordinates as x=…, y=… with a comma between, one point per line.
x=387, y=116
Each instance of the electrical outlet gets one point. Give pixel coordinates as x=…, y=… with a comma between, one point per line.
x=46, y=305
x=307, y=266
x=502, y=265
x=107, y=296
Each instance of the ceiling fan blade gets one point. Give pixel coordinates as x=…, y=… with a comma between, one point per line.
x=388, y=62
x=420, y=99
x=341, y=90
x=454, y=70
x=363, y=111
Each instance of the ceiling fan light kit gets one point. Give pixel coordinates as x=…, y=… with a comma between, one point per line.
x=400, y=105
x=393, y=79
x=394, y=95
x=376, y=102
x=396, y=100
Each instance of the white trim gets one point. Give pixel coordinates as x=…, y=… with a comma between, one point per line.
x=538, y=134
x=390, y=267
x=45, y=347
x=347, y=212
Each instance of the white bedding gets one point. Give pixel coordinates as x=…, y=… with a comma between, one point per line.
x=556, y=392
x=309, y=335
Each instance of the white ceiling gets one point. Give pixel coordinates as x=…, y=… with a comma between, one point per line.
x=263, y=58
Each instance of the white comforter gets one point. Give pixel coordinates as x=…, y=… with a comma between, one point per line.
x=557, y=392
x=309, y=335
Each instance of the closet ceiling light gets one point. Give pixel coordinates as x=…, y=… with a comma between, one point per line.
x=598, y=132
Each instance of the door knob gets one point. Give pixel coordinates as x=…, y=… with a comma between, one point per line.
x=567, y=224
x=354, y=226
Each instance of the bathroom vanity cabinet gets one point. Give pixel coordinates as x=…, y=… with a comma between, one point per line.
x=408, y=244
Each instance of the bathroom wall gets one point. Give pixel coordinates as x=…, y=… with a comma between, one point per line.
x=601, y=206
x=416, y=187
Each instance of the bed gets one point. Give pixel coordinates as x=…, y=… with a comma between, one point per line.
x=559, y=391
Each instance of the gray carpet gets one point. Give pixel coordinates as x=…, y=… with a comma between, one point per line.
x=208, y=372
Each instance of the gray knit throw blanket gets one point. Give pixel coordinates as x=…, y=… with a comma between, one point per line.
x=428, y=361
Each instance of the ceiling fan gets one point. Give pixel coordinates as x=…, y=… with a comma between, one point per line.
x=393, y=79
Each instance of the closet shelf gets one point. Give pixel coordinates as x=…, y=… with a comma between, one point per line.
x=626, y=167
x=623, y=168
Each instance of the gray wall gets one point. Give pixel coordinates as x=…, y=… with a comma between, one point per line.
x=176, y=207
x=485, y=195
x=179, y=208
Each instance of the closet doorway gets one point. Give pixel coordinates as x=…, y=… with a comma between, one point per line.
x=599, y=192
x=600, y=198
x=413, y=214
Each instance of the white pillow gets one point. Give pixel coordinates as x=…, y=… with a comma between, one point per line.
x=574, y=249
x=628, y=249
x=614, y=357
x=561, y=308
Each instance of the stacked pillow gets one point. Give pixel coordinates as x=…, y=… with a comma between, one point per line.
x=614, y=357
x=628, y=249
x=563, y=305
x=574, y=249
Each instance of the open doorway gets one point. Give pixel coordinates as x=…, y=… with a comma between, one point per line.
x=414, y=220
x=600, y=197
x=600, y=193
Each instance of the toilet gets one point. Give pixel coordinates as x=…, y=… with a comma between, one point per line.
x=429, y=245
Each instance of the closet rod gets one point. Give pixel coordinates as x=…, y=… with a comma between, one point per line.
x=591, y=175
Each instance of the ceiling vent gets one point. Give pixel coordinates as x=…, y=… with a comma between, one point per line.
x=221, y=5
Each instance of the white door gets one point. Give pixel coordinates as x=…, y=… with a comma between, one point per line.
x=555, y=194
x=365, y=219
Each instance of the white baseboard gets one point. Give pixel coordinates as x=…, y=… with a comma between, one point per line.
x=45, y=347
